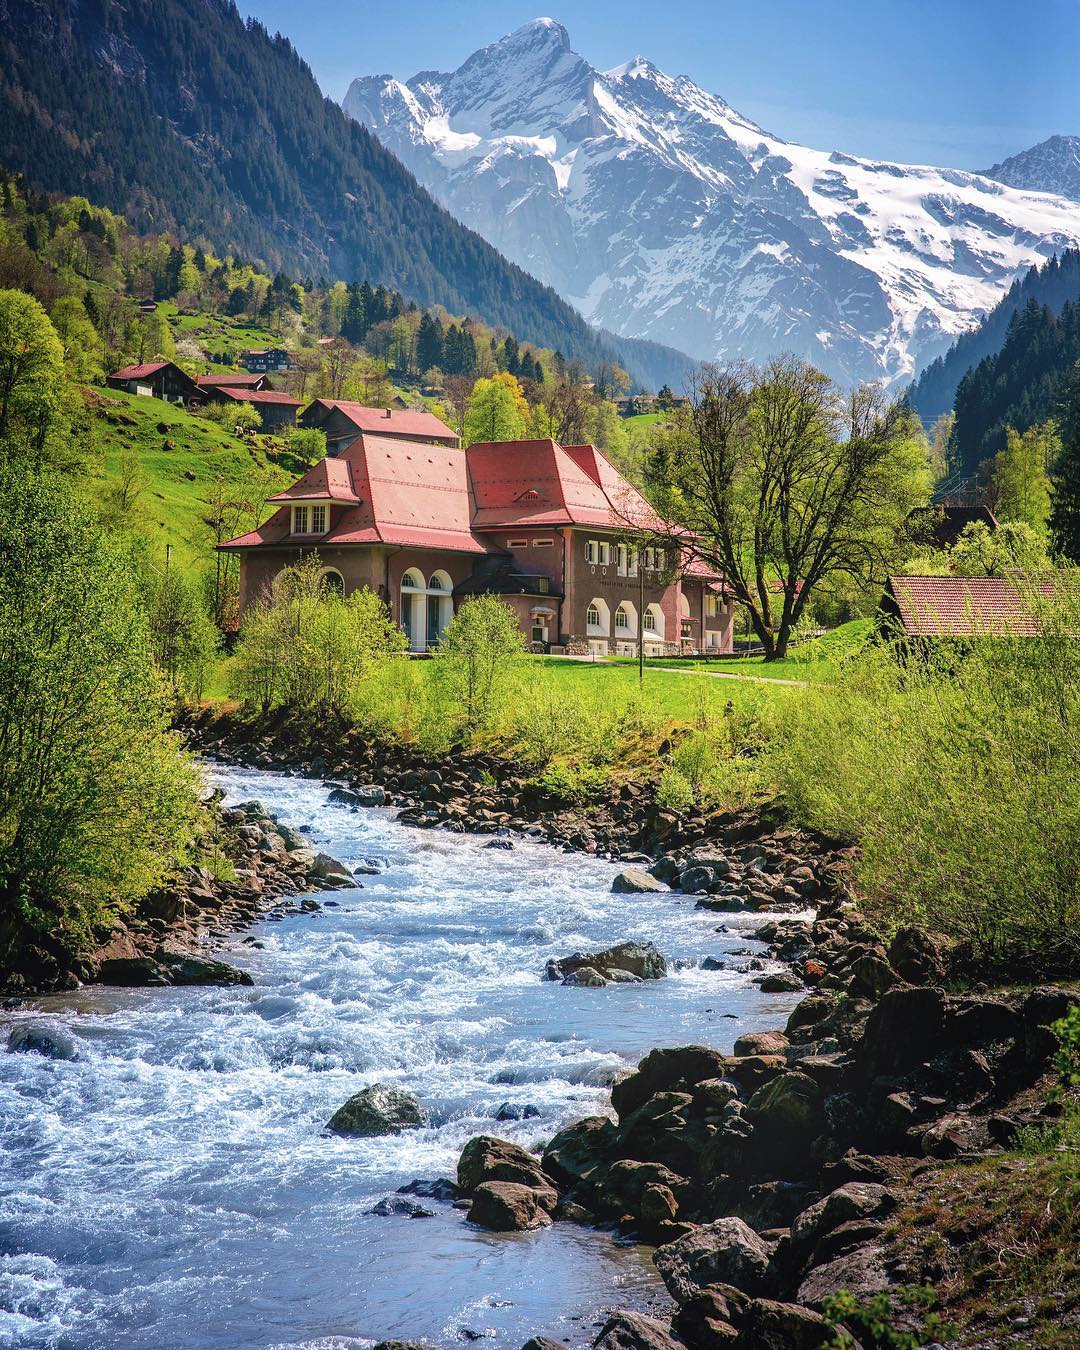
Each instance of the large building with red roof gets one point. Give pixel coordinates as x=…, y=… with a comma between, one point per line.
x=548, y=528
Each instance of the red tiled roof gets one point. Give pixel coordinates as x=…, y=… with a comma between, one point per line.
x=259, y=396
x=964, y=606
x=420, y=495
x=139, y=372
x=541, y=483
x=400, y=422
x=330, y=479
x=222, y=381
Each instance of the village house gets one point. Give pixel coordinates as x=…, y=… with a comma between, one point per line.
x=276, y=410
x=921, y=609
x=548, y=528
x=343, y=422
x=156, y=379
x=235, y=380
x=261, y=359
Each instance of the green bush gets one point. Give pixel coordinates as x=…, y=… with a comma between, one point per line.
x=98, y=802
x=955, y=769
x=674, y=792
x=573, y=783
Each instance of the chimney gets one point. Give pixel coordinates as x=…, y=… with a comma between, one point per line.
x=388, y=411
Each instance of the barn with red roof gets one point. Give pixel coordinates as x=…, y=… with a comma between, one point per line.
x=551, y=529
x=155, y=379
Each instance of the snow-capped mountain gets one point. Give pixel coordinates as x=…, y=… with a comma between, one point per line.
x=1051, y=166
x=663, y=213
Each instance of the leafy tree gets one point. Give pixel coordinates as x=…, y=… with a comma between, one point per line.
x=305, y=647
x=308, y=444
x=1015, y=546
x=479, y=649
x=97, y=801
x=78, y=338
x=1019, y=477
x=1065, y=508
x=779, y=481
x=497, y=410
x=31, y=372
x=184, y=640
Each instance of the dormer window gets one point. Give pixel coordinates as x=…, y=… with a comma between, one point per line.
x=309, y=519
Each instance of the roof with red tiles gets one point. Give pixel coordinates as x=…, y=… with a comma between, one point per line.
x=410, y=422
x=421, y=495
x=539, y=482
x=222, y=381
x=140, y=372
x=964, y=606
x=257, y=396
x=329, y=480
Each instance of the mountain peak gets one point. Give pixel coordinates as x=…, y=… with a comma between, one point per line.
x=1051, y=166
x=538, y=32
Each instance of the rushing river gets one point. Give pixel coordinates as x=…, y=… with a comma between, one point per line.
x=174, y=1187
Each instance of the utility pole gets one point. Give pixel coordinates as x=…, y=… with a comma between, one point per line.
x=638, y=553
x=168, y=560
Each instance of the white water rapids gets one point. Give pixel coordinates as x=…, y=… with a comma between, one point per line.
x=173, y=1186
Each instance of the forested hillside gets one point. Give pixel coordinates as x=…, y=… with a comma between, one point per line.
x=1020, y=386
x=184, y=118
x=1057, y=281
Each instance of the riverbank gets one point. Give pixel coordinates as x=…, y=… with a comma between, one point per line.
x=252, y=866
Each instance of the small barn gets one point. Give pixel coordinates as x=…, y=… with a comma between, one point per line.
x=156, y=379
x=277, y=410
x=928, y=608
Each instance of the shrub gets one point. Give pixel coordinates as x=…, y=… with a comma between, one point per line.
x=305, y=648
x=573, y=783
x=956, y=771
x=98, y=803
x=479, y=650
x=674, y=792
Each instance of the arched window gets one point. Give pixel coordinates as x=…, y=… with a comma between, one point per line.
x=597, y=618
x=626, y=619
x=652, y=621
x=414, y=609
x=334, y=581
x=440, y=606
x=649, y=621
x=622, y=619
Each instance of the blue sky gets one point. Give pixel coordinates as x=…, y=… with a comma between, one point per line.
x=956, y=82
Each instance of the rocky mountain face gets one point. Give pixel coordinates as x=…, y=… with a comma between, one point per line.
x=1051, y=166
x=663, y=213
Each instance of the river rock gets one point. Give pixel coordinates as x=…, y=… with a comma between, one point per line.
x=485, y=1158
x=675, y=1068
x=586, y=977
x=330, y=874
x=508, y=1207
x=542, y=1343
x=341, y=796
x=183, y=968
x=725, y=1252
x=628, y=958
x=781, y=982
x=579, y=1150
x=35, y=1039
x=635, y=1331
x=853, y=1200
x=133, y=972
x=377, y=1110
x=636, y=882
x=762, y=1043
x=786, y=1112
x=399, y=1204
x=710, y=1319
x=768, y=1325
x=918, y=956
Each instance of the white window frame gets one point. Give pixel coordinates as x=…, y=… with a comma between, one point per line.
x=648, y=621
x=631, y=562
x=543, y=543
x=300, y=520
x=622, y=619
x=602, y=552
x=592, y=617
x=620, y=559
x=319, y=518
x=517, y=543
x=590, y=550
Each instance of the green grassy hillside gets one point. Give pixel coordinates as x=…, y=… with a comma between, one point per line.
x=165, y=466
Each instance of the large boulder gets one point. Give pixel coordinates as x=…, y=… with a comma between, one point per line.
x=725, y=1252
x=636, y=882
x=133, y=972
x=640, y=959
x=768, y=1325
x=905, y=1028
x=576, y=1152
x=710, y=1319
x=377, y=1110
x=485, y=1158
x=330, y=874
x=787, y=1111
x=508, y=1207
x=183, y=968
x=626, y=1182
x=635, y=1331
x=861, y=1272
x=681, y=1067
x=854, y=1200
x=762, y=1043
x=918, y=956
x=36, y=1039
